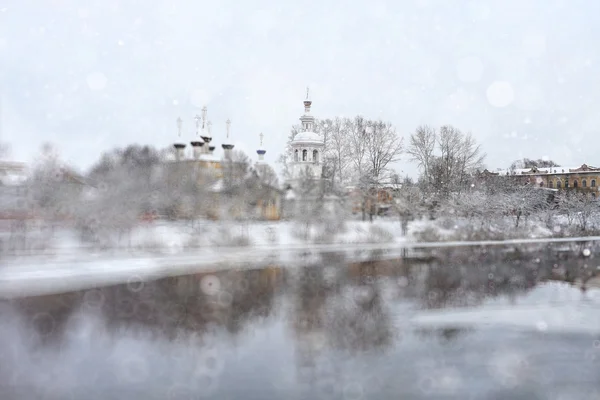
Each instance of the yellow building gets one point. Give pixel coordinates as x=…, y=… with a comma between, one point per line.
x=581, y=179
x=228, y=186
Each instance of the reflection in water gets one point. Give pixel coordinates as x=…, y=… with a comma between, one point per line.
x=229, y=300
x=361, y=321
x=333, y=331
x=307, y=317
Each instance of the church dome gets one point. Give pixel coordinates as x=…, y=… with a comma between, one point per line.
x=307, y=137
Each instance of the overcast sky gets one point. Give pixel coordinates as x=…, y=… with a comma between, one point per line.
x=521, y=75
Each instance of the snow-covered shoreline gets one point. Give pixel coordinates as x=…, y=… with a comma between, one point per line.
x=72, y=267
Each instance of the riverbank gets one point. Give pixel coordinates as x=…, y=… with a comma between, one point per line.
x=22, y=276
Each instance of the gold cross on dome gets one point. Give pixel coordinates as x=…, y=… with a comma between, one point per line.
x=204, y=110
x=179, y=125
x=197, y=119
x=261, y=139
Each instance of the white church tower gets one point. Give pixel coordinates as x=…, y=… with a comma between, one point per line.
x=307, y=148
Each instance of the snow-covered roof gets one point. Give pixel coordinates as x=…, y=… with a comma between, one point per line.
x=209, y=157
x=308, y=137
x=12, y=166
x=12, y=173
x=390, y=185
x=548, y=170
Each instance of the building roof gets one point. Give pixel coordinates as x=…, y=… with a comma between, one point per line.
x=584, y=168
x=209, y=157
x=12, y=166
x=12, y=173
x=308, y=137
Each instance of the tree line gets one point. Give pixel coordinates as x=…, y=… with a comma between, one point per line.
x=129, y=184
x=135, y=180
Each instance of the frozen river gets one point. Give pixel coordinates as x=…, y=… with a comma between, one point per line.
x=466, y=328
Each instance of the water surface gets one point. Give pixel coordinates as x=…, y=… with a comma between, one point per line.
x=332, y=330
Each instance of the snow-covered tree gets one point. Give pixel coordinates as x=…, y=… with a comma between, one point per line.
x=384, y=147
x=374, y=145
x=567, y=205
x=578, y=207
x=53, y=186
x=407, y=200
x=529, y=163
x=447, y=158
x=522, y=202
x=337, y=148
x=128, y=183
x=268, y=176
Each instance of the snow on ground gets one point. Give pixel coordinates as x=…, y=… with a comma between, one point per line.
x=456, y=228
x=549, y=307
x=165, y=249
x=179, y=237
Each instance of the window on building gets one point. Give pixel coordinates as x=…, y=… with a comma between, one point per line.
x=315, y=156
x=304, y=155
x=584, y=183
x=296, y=155
x=575, y=183
x=550, y=184
x=566, y=183
x=593, y=183
x=558, y=184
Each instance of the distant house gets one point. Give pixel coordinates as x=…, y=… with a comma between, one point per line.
x=375, y=200
x=13, y=191
x=226, y=188
x=14, y=207
x=12, y=173
x=224, y=194
x=265, y=198
x=584, y=178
